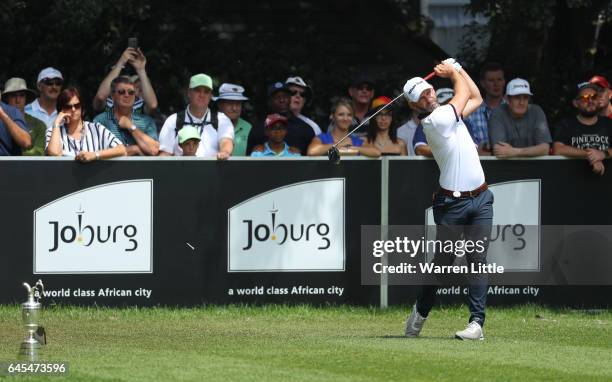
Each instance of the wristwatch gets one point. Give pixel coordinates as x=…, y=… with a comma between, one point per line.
x=133, y=128
x=97, y=155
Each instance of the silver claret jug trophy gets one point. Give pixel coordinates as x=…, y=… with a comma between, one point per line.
x=30, y=316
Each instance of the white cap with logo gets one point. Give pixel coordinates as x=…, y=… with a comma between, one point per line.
x=415, y=87
x=518, y=86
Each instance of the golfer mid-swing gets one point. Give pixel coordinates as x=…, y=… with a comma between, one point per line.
x=462, y=206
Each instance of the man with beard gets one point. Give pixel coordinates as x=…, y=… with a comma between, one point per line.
x=50, y=81
x=463, y=205
x=587, y=135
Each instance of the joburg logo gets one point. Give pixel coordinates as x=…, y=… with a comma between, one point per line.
x=88, y=234
x=281, y=232
x=295, y=228
x=107, y=228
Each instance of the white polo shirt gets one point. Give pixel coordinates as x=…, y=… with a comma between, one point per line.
x=453, y=149
x=210, y=138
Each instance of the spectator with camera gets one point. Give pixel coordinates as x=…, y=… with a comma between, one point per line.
x=146, y=100
x=137, y=131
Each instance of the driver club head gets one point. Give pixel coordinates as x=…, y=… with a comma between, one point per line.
x=334, y=155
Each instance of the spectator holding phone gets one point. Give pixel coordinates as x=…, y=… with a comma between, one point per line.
x=146, y=100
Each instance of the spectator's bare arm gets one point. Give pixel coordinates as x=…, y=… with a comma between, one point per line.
x=104, y=89
x=148, y=93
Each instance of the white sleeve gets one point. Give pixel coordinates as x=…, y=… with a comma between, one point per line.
x=167, y=136
x=443, y=120
x=225, y=129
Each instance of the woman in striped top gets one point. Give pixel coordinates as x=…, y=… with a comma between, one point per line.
x=71, y=136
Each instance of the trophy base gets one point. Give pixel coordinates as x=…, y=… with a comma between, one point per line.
x=30, y=350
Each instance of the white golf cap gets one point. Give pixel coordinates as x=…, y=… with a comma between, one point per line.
x=518, y=86
x=230, y=92
x=414, y=88
x=296, y=81
x=49, y=73
x=444, y=95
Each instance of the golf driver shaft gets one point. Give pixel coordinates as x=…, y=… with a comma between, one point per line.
x=379, y=110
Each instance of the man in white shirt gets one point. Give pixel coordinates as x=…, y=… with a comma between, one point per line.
x=462, y=206
x=216, y=129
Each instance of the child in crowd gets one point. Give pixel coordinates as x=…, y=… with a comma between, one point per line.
x=189, y=140
x=276, y=131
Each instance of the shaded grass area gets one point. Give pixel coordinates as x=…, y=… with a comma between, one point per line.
x=303, y=343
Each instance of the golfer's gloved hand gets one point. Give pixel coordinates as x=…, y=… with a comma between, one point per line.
x=454, y=63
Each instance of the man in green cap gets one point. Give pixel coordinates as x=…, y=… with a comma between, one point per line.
x=215, y=129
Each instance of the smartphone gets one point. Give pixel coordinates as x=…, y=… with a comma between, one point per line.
x=133, y=42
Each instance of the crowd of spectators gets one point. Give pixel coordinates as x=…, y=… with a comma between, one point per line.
x=50, y=121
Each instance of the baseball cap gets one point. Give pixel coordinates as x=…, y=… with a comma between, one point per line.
x=273, y=119
x=601, y=81
x=230, y=92
x=585, y=85
x=200, y=80
x=49, y=73
x=187, y=133
x=276, y=87
x=296, y=80
x=518, y=86
x=17, y=84
x=380, y=101
x=443, y=95
x=414, y=87
x=362, y=78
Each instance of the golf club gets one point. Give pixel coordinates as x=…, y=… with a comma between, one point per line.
x=334, y=154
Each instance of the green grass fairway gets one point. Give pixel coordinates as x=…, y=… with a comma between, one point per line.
x=279, y=343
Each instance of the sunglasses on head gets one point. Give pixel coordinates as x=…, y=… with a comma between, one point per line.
x=123, y=91
x=53, y=81
x=74, y=106
x=587, y=97
x=297, y=92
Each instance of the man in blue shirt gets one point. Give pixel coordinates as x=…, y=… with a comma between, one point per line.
x=14, y=134
x=276, y=131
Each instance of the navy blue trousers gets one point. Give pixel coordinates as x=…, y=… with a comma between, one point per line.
x=469, y=218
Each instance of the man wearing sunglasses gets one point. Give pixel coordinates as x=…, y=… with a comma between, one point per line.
x=361, y=92
x=605, y=95
x=136, y=130
x=587, y=135
x=50, y=81
x=301, y=94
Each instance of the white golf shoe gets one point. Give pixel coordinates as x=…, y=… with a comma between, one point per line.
x=414, y=323
x=472, y=332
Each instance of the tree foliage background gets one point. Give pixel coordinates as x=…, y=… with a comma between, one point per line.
x=551, y=43
x=257, y=42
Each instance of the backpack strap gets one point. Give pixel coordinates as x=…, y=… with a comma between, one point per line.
x=180, y=121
